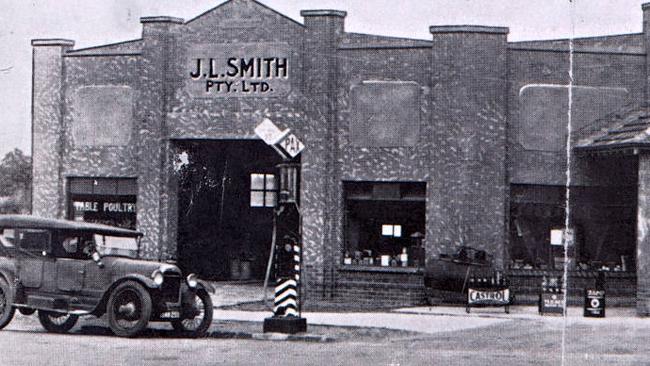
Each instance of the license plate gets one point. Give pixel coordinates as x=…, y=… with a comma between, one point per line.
x=170, y=315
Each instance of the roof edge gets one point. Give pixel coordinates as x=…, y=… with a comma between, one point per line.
x=323, y=13
x=468, y=29
x=161, y=19
x=48, y=42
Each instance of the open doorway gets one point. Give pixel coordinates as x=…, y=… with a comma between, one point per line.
x=226, y=193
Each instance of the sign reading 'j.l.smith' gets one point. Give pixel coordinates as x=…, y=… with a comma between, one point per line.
x=242, y=70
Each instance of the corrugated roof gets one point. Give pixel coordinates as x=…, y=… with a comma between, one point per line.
x=628, y=128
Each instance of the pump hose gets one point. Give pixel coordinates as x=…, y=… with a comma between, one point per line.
x=270, y=262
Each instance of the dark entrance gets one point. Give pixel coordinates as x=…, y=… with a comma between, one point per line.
x=226, y=194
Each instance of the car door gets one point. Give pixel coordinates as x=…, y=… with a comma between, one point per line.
x=70, y=266
x=33, y=259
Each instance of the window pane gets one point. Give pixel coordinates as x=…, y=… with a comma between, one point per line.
x=387, y=230
x=34, y=240
x=104, y=186
x=257, y=199
x=270, y=199
x=270, y=182
x=257, y=181
x=397, y=231
x=556, y=237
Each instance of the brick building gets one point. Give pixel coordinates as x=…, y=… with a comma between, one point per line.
x=455, y=140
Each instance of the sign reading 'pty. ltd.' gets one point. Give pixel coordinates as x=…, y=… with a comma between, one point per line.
x=241, y=70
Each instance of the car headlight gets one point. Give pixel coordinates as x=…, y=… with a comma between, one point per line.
x=157, y=277
x=192, y=280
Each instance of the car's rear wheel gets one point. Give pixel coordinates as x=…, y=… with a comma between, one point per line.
x=201, y=316
x=129, y=309
x=6, y=304
x=57, y=322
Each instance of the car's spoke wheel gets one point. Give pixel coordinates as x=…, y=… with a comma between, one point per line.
x=6, y=304
x=197, y=325
x=129, y=309
x=57, y=322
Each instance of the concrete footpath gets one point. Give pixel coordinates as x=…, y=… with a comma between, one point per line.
x=432, y=320
x=423, y=319
x=422, y=323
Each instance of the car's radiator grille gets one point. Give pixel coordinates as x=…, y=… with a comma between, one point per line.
x=170, y=290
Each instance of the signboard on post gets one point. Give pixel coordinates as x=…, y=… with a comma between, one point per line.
x=291, y=145
x=286, y=143
x=287, y=250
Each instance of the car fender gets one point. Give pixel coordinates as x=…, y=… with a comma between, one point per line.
x=205, y=285
x=146, y=281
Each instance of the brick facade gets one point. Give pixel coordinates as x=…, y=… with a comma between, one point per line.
x=469, y=149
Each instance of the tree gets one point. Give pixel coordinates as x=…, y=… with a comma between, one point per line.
x=15, y=182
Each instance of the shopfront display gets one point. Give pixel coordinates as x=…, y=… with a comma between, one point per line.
x=411, y=151
x=384, y=224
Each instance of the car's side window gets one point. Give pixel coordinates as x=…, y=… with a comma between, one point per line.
x=88, y=246
x=34, y=240
x=8, y=238
x=70, y=245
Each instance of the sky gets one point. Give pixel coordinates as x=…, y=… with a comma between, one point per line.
x=96, y=22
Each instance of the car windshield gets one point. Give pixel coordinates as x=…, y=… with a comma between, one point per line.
x=117, y=245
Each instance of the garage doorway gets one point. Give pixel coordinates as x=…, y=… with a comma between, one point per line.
x=226, y=193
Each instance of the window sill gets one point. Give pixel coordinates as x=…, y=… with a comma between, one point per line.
x=361, y=268
x=572, y=273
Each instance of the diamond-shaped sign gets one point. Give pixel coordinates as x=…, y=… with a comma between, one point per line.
x=291, y=145
x=269, y=132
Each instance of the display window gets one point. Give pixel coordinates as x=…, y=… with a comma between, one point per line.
x=601, y=233
x=384, y=224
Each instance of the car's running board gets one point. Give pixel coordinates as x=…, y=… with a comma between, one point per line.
x=74, y=312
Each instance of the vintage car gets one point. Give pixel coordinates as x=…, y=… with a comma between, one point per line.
x=64, y=269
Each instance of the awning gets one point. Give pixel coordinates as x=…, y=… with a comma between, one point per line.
x=626, y=132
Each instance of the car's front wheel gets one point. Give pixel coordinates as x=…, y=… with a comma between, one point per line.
x=6, y=304
x=129, y=309
x=197, y=318
x=57, y=322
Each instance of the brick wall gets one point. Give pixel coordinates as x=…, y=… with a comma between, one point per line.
x=47, y=126
x=538, y=66
x=379, y=288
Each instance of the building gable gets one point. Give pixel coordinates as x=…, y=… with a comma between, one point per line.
x=241, y=13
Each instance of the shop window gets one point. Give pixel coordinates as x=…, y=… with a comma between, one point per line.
x=384, y=224
x=601, y=235
x=263, y=190
x=110, y=201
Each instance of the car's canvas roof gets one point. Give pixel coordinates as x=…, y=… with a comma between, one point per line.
x=35, y=222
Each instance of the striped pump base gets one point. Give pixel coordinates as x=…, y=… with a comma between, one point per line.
x=286, y=298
